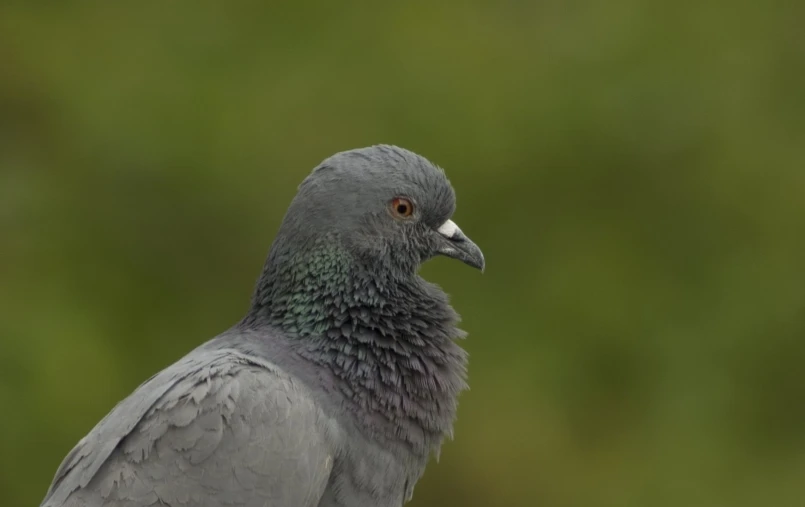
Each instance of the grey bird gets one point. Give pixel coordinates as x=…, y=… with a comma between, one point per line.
x=335, y=388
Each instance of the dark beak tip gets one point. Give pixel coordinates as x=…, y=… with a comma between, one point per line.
x=475, y=257
x=481, y=265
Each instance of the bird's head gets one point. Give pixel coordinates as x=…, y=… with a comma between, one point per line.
x=385, y=205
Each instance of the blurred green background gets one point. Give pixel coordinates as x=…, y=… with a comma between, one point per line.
x=634, y=170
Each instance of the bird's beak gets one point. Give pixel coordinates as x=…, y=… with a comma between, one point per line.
x=458, y=246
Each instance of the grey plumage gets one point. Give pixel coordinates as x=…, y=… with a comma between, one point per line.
x=333, y=390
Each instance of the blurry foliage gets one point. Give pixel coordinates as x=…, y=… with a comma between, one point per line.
x=635, y=172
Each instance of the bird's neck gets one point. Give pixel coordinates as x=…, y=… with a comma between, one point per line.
x=388, y=340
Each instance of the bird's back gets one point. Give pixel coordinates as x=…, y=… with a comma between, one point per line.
x=218, y=427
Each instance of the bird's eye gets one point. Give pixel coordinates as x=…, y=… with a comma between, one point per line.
x=402, y=207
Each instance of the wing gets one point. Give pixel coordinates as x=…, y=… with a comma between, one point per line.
x=216, y=428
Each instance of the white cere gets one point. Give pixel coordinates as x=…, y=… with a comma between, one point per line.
x=448, y=229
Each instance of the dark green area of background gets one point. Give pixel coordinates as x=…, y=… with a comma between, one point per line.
x=634, y=170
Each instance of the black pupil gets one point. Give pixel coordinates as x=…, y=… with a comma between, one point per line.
x=402, y=208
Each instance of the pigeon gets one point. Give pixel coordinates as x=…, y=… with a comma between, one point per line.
x=335, y=388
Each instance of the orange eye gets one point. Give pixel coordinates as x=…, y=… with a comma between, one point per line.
x=402, y=207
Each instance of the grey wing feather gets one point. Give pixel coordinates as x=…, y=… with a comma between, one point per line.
x=216, y=428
